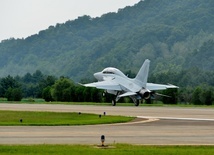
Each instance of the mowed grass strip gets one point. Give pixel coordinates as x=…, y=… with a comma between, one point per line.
x=117, y=149
x=26, y=118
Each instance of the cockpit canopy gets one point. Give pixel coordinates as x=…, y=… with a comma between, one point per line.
x=111, y=70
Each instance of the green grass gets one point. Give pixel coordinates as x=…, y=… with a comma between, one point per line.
x=117, y=149
x=12, y=118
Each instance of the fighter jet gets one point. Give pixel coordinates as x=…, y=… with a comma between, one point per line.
x=117, y=83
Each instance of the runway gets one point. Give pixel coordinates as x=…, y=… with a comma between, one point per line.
x=165, y=126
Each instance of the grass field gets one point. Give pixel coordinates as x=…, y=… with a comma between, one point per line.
x=55, y=118
x=116, y=149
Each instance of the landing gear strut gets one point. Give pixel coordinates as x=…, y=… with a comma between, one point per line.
x=114, y=101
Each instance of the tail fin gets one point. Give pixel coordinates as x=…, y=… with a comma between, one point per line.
x=142, y=75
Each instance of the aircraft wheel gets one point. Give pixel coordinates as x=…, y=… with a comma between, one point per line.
x=113, y=102
x=137, y=103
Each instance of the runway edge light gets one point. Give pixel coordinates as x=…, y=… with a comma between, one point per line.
x=102, y=139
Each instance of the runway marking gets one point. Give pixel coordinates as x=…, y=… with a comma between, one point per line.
x=128, y=123
x=137, y=122
x=177, y=118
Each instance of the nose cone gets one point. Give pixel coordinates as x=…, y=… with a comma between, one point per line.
x=98, y=76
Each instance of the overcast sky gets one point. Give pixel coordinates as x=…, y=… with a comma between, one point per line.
x=22, y=18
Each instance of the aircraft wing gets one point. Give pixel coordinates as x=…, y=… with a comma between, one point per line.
x=154, y=86
x=108, y=85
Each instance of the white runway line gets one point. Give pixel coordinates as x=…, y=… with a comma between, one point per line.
x=176, y=118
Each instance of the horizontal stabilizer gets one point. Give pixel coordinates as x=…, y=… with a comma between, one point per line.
x=163, y=95
x=171, y=86
x=154, y=86
x=127, y=94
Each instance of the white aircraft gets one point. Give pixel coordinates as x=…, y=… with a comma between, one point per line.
x=115, y=82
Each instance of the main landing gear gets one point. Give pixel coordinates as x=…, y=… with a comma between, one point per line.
x=136, y=101
x=113, y=102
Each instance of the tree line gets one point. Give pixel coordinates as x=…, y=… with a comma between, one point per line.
x=48, y=87
x=63, y=89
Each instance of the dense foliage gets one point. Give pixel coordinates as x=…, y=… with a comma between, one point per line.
x=50, y=88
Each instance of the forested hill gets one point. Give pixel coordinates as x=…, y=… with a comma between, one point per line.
x=173, y=34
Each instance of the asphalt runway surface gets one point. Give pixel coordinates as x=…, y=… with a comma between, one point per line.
x=154, y=126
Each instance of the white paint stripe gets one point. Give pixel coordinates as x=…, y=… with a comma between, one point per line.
x=177, y=118
x=128, y=123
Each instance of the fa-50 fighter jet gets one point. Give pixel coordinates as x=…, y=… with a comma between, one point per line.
x=115, y=82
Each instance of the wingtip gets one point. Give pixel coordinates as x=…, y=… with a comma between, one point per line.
x=172, y=86
x=80, y=84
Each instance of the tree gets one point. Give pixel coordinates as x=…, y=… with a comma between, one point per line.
x=14, y=94
x=61, y=90
x=96, y=95
x=196, y=96
x=79, y=94
x=27, y=78
x=45, y=82
x=87, y=95
x=6, y=83
x=206, y=95
x=173, y=96
x=185, y=95
x=46, y=94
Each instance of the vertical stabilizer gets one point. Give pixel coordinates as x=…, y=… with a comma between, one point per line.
x=142, y=75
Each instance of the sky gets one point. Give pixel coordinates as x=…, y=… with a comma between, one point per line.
x=23, y=18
